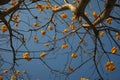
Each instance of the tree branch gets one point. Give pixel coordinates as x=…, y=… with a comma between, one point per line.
x=106, y=12
x=14, y=8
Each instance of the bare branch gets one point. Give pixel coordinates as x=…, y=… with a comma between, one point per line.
x=106, y=12
x=81, y=7
x=14, y=8
x=65, y=1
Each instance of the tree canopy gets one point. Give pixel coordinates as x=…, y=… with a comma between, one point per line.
x=59, y=39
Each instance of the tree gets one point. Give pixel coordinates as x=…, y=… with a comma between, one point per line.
x=67, y=39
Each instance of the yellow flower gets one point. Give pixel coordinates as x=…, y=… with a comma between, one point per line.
x=101, y=34
x=35, y=38
x=50, y=27
x=109, y=20
x=36, y=24
x=94, y=14
x=72, y=26
x=38, y=5
x=83, y=78
x=64, y=46
x=117, y=33
x=13, y=3
x=16, y=24
x=18, y=15
x=5, y=71
x=46, y=44
x=16, y=72
x=63, y=15
x=46, y=7
x=15, y=18
x=65, y=31
x=43, y=54
x=117, y=36
x=26, y=56
x=74, y=55
x=74, y=17
x=110, y=66
x=55, y=7
x=43, y=32
x=71, y=68
x=114, y=50
x=73, y=31
x=12, y=77
x=40, y=10
x=4, y=28
x=1, y=77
